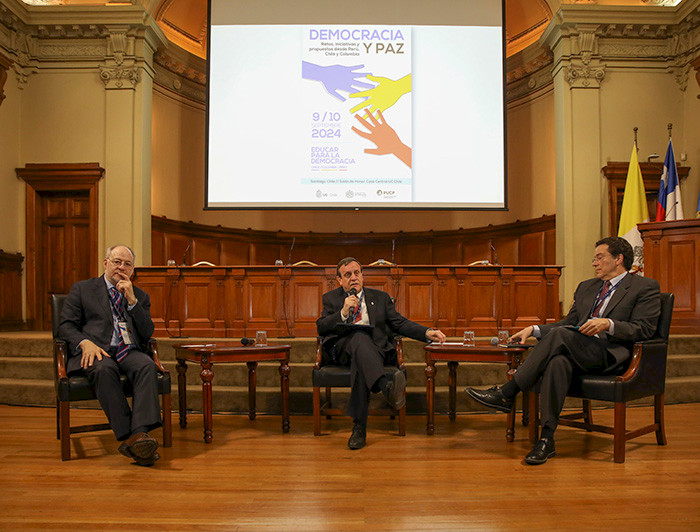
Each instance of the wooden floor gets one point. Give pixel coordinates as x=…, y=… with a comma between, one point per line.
x=253, y=477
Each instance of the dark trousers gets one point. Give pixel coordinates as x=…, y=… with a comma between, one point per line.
x=552, y=363
x=142, y=372
x=366, y=363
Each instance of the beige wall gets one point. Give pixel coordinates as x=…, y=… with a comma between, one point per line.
x=11, y=189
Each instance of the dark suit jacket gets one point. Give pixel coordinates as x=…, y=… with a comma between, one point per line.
x=383, y=317
x=634, y=308
x=87, y=314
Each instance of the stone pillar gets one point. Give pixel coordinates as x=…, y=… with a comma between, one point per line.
x=577, y=74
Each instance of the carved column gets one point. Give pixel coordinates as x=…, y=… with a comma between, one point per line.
x=578, y=73
x=127, y=74
x=5, y=64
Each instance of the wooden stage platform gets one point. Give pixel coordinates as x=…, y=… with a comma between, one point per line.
x=253, y=477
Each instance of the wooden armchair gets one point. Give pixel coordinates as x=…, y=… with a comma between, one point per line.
x=77, y=388
x=645, y=376
x=329, y=376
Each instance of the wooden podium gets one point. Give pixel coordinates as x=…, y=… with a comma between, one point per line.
x=672, y=257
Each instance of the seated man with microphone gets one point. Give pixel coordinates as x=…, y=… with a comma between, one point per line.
x=358, y=326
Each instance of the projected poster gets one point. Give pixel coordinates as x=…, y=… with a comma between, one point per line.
x=357, y=100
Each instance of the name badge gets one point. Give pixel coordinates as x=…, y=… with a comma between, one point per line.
x=125, y=332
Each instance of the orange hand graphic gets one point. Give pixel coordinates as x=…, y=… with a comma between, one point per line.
x=383, y=135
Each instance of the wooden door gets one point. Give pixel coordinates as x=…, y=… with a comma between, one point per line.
x=61, y=232
x=64, y=256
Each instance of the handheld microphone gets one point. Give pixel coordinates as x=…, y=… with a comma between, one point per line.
x=353, y=292
x=245, y=341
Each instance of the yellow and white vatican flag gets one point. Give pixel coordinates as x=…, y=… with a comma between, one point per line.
x=634, y=211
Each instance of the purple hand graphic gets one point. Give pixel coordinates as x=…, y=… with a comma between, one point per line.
x=336, y=78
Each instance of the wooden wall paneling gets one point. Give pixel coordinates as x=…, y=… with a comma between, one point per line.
x=672, y=256
x=302, y=297
x=421, y=300
x=531, y=248
x=202, y=303
x=482, y=299
x=524, y=299
x=446, y=300
x=475, y=250
x=158, y=247
x=206, y=249
x=235, y=308
x=553, y=312
x=11, y=291
x=550, y=247
x=249, y=247
x=264, y=302
x=158, y=284
x=233, y=252
x=178, y=248
x=379, y=278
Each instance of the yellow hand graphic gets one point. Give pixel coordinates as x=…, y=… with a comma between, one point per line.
x=384, y=136
x=383, y=95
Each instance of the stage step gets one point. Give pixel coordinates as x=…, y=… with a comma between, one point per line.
x=26, y=376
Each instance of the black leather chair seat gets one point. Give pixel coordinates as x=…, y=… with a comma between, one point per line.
x=339, y=376
x=78, y=388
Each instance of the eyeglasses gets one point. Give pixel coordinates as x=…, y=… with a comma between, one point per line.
x=600, y=257
x=119, y=262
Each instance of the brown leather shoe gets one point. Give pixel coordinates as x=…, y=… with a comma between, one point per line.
x=141, y=445
x=146, y=462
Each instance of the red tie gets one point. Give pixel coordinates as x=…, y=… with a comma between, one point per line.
x=601, y=299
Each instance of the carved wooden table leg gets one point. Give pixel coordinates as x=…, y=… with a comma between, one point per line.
x=430, y=372
x=182, y=391
x=452, y=409
x=207, y=376
x=284, y=381
x=251, y=389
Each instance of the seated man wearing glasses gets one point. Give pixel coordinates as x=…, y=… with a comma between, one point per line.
x=610, y=312
x=106, y=322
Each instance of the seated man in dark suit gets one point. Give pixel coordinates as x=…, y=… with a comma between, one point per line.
x=106, y=322
x=347, y=311
x=610, y=312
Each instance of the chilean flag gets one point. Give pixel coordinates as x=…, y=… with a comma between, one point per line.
x=669, y=206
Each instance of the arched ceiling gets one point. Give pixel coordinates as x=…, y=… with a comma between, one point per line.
x=185, y=22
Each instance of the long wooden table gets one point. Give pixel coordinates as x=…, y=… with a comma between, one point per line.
x=285, y=301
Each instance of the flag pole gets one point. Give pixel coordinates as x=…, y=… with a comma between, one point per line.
x=635, y=129
x=669, y=126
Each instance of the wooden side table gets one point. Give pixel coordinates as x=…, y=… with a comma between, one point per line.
x=453, y=353
x=220, y=352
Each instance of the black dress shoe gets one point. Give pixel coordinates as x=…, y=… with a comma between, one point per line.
x=358, y=438
x=542, y=450
x=493, y=398
x=395, y=396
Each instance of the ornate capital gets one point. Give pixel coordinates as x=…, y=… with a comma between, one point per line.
x=116, y=78
x=584, y=76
